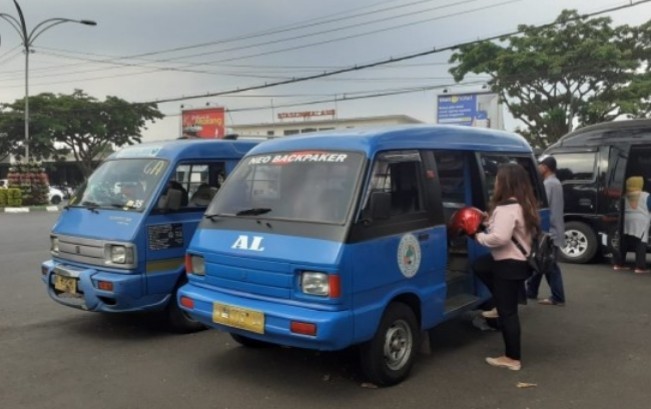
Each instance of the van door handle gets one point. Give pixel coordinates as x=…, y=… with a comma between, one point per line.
x=423, y=237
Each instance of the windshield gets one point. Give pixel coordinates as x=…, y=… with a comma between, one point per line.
x=313, y=186
x=126, y=184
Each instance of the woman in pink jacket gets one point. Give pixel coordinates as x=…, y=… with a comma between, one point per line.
x=513, y=215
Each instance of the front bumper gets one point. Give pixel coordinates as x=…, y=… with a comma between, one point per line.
x=334, y=328
x=128, y=294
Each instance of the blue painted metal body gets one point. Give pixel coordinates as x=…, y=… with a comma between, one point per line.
x=268, y=281
x=149, y=283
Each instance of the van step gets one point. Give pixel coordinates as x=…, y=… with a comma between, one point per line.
x=458, y=283
x=459, y=301
x=453, y=275
x=458, y=262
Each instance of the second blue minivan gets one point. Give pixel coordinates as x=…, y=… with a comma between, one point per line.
x=119, y=245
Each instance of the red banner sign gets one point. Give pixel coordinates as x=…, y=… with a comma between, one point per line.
x=306, y=114
x=203, y=122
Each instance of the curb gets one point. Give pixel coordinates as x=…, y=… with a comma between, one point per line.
x=29, y=209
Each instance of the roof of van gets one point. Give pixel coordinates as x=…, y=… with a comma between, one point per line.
x=370, y=140
x=598, y=133
x=187, y=148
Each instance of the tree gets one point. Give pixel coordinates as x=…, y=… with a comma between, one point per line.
x=77, y=123
x=575, y=72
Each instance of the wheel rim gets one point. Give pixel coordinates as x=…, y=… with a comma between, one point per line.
x=576, y=244
x=398, y=344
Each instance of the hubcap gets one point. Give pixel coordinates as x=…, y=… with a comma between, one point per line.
x=398, y=344
x=576, y=244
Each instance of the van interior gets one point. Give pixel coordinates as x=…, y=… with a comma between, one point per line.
x=639, y=164
x=453, y=172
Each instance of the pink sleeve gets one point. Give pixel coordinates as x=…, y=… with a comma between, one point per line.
x=500, y=229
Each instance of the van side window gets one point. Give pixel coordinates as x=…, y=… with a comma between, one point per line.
x=451, y=173
x=198, y=182
x=577, y=166
x=490, y=164
x=398, y=173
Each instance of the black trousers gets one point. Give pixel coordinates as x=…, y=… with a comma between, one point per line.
x=631, y=243
x=505, y=280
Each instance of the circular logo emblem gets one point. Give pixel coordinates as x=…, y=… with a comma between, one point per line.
x=409, y=255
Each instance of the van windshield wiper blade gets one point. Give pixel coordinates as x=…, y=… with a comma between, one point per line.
x=253, y=211
x=92, y=206
x=212, y=217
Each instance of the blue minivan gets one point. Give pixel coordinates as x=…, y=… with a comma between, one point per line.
x=335, y=239
x=119, y=244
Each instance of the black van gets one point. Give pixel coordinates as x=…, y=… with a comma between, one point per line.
x=593, y=164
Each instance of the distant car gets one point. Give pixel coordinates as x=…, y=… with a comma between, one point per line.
x=67, y=190
x=55, y=196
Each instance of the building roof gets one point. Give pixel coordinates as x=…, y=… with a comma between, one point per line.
x=398, y=118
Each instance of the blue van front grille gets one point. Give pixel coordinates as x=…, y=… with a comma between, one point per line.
x=250, y=275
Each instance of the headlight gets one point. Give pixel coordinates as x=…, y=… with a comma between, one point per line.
x=315, y=283
x=198, y=265
x=120, y=254
x=54, y=244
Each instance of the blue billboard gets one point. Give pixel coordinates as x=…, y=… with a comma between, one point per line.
x=478, y=109
x=457, y=109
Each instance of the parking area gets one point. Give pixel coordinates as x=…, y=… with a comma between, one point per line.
x=592, y=353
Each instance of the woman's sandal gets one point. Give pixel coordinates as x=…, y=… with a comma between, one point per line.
x=616, y=267
x=639, y=271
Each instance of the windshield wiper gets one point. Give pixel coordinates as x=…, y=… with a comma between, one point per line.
x=212, y=217
x=92, y=206
x=253, y=211
x=122, y=206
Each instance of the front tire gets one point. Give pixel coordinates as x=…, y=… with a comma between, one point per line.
x=55, y=200
x=581, y=243
x=388, y=358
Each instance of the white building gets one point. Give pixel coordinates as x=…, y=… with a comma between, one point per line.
x=284, y=128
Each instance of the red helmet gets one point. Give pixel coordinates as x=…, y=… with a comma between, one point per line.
x=465, y=221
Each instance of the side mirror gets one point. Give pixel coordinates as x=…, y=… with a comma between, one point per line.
x=171, y=200
x=380, y=205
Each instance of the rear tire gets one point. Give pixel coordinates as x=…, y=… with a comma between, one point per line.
x=55, y=200
x=581, y=243
x=388, y=358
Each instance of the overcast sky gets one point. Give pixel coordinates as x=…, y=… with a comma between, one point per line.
x=147, y=50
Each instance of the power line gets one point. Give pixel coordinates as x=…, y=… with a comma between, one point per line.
x=348, y=97
x=386, y=61
x=113, y=59
x=192, y=67
x=6, y=57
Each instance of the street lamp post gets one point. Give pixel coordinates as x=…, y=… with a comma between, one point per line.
x=28, y=38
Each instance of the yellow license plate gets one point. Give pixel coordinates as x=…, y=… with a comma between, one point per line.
x=237, y=317
x=65, y=284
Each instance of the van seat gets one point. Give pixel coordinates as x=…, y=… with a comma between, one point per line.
x=203, y=196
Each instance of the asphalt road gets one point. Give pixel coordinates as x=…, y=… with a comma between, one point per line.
x=593, y=353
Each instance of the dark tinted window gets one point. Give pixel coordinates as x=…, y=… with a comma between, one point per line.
x=578, y=166
x=398, y=173
x=490, y=163
x=451, y=171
